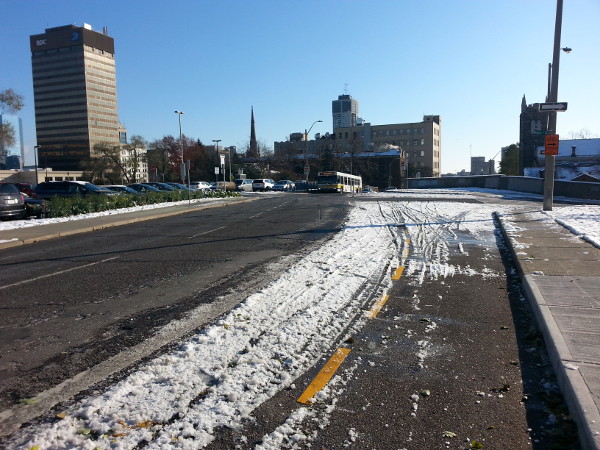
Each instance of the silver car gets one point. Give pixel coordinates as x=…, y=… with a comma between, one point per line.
x=263, y=184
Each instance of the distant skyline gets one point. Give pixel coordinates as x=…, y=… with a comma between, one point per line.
x=469, y=61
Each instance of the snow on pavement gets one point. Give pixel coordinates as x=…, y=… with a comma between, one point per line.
x=219, y=376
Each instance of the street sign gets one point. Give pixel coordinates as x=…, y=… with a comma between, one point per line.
x=553, y=106
x=306, y=170
x=551, y=144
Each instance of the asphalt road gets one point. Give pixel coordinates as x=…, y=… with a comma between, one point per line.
x=70, y=303
x=450, y=362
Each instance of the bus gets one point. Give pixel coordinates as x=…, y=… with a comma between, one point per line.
x=331, y=181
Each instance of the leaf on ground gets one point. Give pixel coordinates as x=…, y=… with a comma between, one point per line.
x=449, y=434
x=425, y=392
x=475, y=444
x=61, y=415
x=28, y=401
x=84, y=431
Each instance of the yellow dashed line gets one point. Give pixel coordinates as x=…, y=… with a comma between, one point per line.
x=324, y=375
x=398, y=273
x=377, y=307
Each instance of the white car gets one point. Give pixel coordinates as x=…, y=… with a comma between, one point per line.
x=263, y=184
x=284, y=185
x=243, y=185
x=200, y=185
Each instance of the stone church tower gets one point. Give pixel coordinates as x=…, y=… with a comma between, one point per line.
x=253, y=151
x=533, y=127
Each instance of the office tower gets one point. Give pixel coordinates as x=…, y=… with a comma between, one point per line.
x=344, y=111
x=75, y=94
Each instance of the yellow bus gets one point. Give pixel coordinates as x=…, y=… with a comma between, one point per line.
x=331, y=181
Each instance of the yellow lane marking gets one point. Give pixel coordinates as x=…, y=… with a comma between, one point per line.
x=377, y=307
x=324, y=375
x=398, y=273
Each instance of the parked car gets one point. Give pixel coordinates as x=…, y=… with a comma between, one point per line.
x=161, y=186
x=122, y=189
x=181, y=187
x=284, y=185
x=200, y=185
x=49, y=189
x=25, y=188
x=263, y=184
x=143, y=188
x=243, y=185
x=220, y=185
x=12, y=202
x=301, y=185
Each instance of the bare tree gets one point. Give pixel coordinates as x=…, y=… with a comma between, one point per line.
x=10, y=102
x=584, y=133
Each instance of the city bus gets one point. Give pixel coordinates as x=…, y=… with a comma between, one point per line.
x=331, y=181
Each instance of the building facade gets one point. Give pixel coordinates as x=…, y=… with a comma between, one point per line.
x=75, y=94
x=344, y=112
x=479, y=166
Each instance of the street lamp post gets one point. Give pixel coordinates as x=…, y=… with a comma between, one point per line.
x=35, y=155
x=549, y=163
x=306, y=166
x=182, y=168
x=216, y=141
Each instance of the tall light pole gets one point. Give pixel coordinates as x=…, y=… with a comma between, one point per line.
x=35, y=155
x=182, y=168
x=549, y=163
x=306, y=166
x=216, y=141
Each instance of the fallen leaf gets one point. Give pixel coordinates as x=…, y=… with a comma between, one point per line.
x=61, y=415
x=475, y=444
x=28, y=401
x=449, y=434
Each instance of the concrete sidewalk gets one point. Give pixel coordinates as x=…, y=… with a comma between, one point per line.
x=36, y=233
x=561, y=279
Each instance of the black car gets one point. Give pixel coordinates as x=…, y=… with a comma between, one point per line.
x=12, y=202
x=161, y=186
x=48, y=189
x=143, y=188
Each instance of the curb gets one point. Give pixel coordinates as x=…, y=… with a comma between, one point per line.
x=573, y=387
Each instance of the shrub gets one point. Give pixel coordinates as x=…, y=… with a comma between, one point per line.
x=72, y=206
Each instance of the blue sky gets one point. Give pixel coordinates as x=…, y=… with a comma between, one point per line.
x=469, y=61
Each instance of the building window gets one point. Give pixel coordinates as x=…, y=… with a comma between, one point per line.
x=422, y=141
x=422, y=153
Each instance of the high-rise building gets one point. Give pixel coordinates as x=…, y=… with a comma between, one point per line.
x=344, y=112
x=75, y=94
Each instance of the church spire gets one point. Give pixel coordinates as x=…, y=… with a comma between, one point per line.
x=253, y=151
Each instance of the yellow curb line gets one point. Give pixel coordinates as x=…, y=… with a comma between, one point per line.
x=323, y=377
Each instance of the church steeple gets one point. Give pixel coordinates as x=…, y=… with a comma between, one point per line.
x=253, y=151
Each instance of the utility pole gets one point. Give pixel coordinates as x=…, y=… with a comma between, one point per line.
x=552, y=97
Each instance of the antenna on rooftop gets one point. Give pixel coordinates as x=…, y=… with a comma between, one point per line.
x=346, y=88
